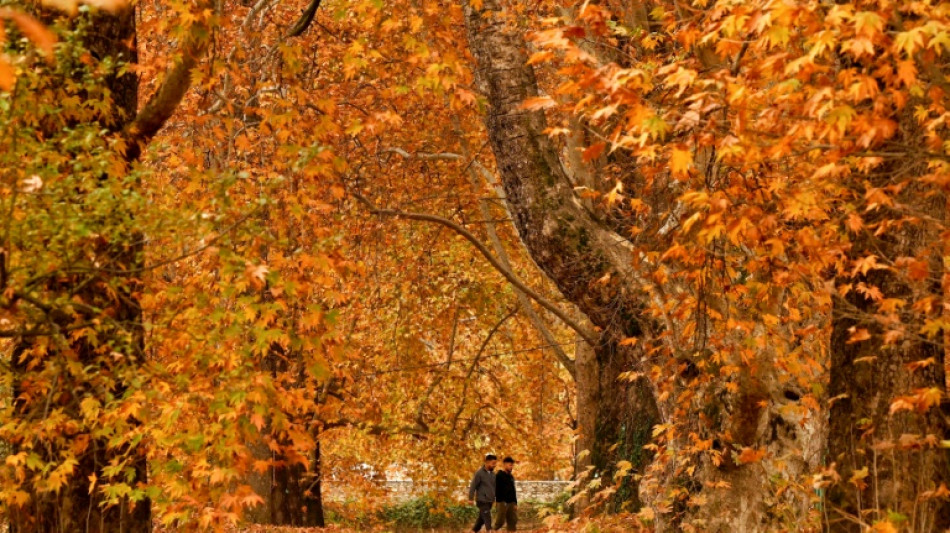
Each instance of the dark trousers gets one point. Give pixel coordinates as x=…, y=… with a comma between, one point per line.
x=484, y=516
x=507, y=512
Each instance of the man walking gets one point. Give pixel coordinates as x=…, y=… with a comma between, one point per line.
x=482, y=492
x=506, y=496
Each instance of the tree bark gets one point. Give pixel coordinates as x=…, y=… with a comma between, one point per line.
x=292, y=493
x=590, y=264
x=587, y=386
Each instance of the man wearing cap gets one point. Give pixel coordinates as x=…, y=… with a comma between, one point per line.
x=482, y=492
x=506, y=497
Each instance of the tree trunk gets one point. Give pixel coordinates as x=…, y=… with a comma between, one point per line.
x=626, y=412
x=587, y=386
x=885, y=469
x=292, y=493
x=77, y=506
x=574, y=250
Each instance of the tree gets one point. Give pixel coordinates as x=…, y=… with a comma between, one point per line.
x=77, y=462
x=752, y=149
x=585, y=258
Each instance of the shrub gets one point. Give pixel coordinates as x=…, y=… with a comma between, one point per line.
x=427, y=512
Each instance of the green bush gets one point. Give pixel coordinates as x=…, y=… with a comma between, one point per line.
x=559, y=505
x=427, y=512
x=348, y=514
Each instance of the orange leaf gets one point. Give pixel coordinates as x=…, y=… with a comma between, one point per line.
x=751, y=455
x=858, y=335
x=680, y=161
x=538, y=102
x=33, y=29
x=629, y=341
x=256, y=274
x=7, y=75
x=593, y=152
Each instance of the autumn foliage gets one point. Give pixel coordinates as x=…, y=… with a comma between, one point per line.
x=692, y=254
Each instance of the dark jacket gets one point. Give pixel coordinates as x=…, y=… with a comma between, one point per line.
x=482, y=489
x=505, y=488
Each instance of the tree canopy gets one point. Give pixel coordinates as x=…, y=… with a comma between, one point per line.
x=691, y=255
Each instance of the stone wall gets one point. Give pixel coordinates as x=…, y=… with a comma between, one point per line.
x=400, y=491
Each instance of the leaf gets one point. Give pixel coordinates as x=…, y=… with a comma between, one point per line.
x=34, y=31
x=901, y=404
x=909, y=41
x=862, y=46
x=7, y=75
x=538, y=102
x=907, y=72
x=858, y=335
x=32, y=184
x=615, y=195
x=751, y=455
x=256, y=275
x=681, y=160
x=883, y=526
x=593, y=152
x=858, y=477
x=917, y=365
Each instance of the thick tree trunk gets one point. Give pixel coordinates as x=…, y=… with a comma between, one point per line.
x=572, y=248
x=886, y=467
x=591, y=264
x=292, y=493
x=625, y=416
x=587, y=386
x=77, y=506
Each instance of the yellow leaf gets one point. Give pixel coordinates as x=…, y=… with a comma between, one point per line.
x=883, y=526
x=681, y=161
x=615, y=195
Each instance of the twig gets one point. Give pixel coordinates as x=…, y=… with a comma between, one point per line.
x=544, y=302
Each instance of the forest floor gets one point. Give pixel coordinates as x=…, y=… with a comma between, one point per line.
x=375, y=529
x=612, y=524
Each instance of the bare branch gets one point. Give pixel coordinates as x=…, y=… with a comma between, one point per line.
x=544, y=302
x=474, y=168
x=478, y=356
x=305, y=19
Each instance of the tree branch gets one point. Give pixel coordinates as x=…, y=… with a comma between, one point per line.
x=305, y=19
x=473, y=168
x=471, y=368
x=544, y=302
x=165, y=100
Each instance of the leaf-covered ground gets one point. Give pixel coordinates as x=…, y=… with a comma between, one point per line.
x=613, y=524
